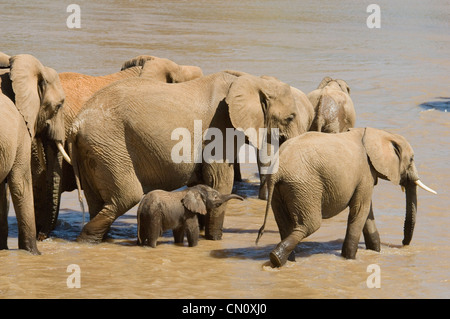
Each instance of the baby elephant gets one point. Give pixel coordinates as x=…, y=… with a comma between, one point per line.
x=160, y=211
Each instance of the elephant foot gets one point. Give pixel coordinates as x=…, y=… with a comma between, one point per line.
x=90, y=239
x=372, y=241
x=42, y=236
x=29, y=245
x=215, y=236
x=4, y=244
x=262, y=195
x=282, y=253
x=34, y=252
x=348, y=252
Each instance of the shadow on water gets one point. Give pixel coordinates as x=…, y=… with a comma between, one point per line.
x=246, y=188
x=443, y=104
x=304, y=249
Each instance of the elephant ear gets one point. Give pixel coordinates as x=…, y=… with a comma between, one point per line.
x=193, y=202
x=137, y=61
x=186, y=73
x=168, y=71
x=246, y=105
x=384, y=153
x=305, y=108
x=324, y=82
x=4, y=60
x=29, y=84
x=344, y=86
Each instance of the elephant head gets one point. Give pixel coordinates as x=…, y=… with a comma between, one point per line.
x=202, y=198
x=163, y=70
x=263, y=102
x=334, y=84
x=39, y=97
x=392, y=157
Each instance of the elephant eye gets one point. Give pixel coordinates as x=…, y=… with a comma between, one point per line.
x=290, y=118
x=59, y=106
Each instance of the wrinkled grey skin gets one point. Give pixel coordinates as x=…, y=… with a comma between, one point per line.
x=56, y=175
x=124, y=149
x=314, y=182
x=31, y=102
x=334, y=110
x=160, y=211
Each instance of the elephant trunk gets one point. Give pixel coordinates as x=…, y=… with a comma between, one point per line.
x=411, y=212
x=226, y=198
x=47, y=199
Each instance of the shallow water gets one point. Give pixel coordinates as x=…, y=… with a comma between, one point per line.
x=399, y=80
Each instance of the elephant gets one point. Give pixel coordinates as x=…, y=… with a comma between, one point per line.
x=129, y=146
x=31, y=108
x=334, y=110
x=306, y=112
x=164, y=70
x=314, y=182
x=160, y=211
x=58, y=175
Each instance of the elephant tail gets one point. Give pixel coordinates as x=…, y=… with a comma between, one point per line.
x=270, y=181
x=76, y=170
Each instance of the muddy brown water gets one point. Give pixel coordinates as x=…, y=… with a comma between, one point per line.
x=398, y=74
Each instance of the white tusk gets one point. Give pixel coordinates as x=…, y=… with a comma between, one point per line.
x=63, y=152
x=425, y=187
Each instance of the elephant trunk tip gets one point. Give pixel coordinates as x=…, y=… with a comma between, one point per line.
x=235, y=196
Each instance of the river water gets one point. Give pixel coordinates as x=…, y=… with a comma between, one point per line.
x=399, y=80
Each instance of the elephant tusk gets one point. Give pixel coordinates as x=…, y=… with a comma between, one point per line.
x=63, y=152
x=425, y=187
x=403, y=189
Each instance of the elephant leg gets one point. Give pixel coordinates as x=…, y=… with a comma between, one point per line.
x=3, y=215
x=116, y=188
x=192, y=231
x=294, y=225
x=19, y=181
x=94, y=200
x=285, y=248
x=237, y=172
x=96, y=229
x=370, y=232
x=152, y=231
x=178, y=234
x=358, y=215
x=220, y=177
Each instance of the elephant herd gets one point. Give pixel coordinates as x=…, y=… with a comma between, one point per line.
x=113, y=137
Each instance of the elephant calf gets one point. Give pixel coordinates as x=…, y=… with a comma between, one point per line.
x=334, y=110
x=160, y=211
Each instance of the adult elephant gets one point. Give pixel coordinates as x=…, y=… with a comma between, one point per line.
x=31, y=104
x=58, y=175
x=129, y=146
x=334, y=110
x=313, y=182
x=306, y=115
